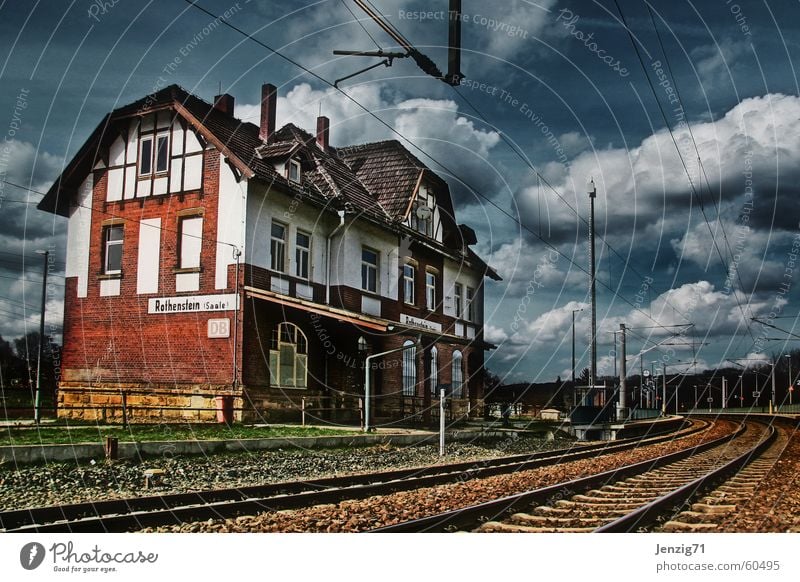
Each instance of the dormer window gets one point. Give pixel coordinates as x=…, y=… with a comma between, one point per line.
x=294, y=171
x=422, y=218
x=154, y=154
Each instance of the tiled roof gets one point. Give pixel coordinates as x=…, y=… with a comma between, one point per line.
x=388, y=170
x=376, y=179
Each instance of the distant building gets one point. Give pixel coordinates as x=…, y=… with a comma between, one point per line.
x=209, y=257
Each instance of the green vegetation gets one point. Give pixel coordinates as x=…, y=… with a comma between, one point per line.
x=83, y=433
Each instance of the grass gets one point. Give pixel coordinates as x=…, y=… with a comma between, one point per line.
x=76, y=433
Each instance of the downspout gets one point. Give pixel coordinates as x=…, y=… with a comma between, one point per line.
x=328, y=256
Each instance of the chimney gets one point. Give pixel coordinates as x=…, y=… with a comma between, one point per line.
x=323, y=132
x=224, y=103
x=269, y=101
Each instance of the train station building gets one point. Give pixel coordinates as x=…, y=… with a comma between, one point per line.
x=218, y=267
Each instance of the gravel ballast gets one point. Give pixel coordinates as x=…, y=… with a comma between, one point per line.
x=61, y=483
x=378, y=511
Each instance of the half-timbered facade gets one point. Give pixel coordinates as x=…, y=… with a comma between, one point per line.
x=213, y=262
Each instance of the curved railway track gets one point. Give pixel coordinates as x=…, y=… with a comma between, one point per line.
x=171, y=509
x=627, y=499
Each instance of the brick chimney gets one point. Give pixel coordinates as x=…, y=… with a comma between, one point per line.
x=224, y=103
x=323, y=132
x=269, y=102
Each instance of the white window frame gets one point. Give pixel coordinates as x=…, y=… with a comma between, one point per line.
x=457, y=374
x=409, y=368
x=367, y=267
x=458, y=298
x=189, y=241
x=277, y=244
x=288, y=337
x=409, y=284
x=153, y=139
x=434, y=370
x=107, y=243
x=470, y=304
x=430, y=290
x=294, y=165
x=302, y=255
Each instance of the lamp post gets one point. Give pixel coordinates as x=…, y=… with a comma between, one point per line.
x=38, y=396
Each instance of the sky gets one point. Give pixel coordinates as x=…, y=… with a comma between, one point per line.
x=691, y=140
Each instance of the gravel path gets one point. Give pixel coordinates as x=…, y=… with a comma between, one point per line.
x=360, y=515
x=60, y=483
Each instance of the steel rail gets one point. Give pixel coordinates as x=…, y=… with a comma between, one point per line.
x=467, y=518
x=170, y=509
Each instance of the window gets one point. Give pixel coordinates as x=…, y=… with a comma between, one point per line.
x=470, y=304
x=369, y=270
x=277, y=247
x=294, y=171
x=302, y=254
x=409, y=368
x=288, y=357
x=191, y=233
x=430, y=290
x=409, y=280
x=158, y=158
x=434, y=370
x=146, y=156
x=458, y=375
x=458, y=292
x=112, y=261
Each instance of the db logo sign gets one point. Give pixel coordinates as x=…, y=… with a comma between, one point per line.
x=31, y=555
x=219, y=328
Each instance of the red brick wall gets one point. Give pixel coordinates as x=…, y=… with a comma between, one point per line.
x=114, y=339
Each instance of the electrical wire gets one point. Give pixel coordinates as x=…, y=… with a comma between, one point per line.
x=414, y=146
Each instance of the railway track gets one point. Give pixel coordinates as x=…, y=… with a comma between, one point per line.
x=172, y=509
x=627, y=499
x=709, y=511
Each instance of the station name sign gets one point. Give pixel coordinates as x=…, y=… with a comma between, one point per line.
x=421, y=323
x=192, y=303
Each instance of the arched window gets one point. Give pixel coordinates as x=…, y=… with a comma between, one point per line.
x=458, y=375
x=434, y=370
x=409, y=368
x=288, y=357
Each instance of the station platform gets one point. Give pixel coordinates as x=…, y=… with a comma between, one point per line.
x=611, y=431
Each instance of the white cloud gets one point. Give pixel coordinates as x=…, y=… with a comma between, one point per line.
x=638, y=187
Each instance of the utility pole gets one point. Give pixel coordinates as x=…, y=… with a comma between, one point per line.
x=724, y=392
x=592, y=196
x=622, y=406
x=664, y=391
x=574, y=311
x=38, y=396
